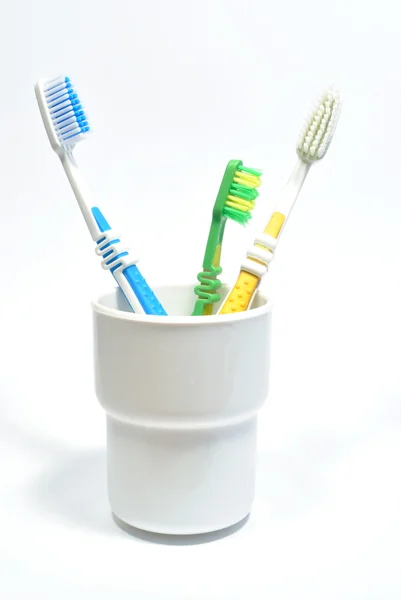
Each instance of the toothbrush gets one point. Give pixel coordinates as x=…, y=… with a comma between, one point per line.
x=66, y=124
x=313, y=143
x=235, y=200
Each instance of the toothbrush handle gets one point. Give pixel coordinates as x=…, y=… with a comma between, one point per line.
x=117, y=259
x=259, y=256
x=207, y=291
x=253, y=268
x=145, y=299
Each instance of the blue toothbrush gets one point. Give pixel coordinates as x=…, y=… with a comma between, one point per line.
x=66, y=124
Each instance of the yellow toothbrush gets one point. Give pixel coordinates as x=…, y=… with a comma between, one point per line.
x=312, y=145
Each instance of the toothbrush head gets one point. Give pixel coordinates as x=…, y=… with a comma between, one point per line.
x=237, y=193
x=318, y=130
x=63, y=115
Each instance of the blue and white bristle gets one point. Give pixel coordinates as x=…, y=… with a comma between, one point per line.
x=66, y=111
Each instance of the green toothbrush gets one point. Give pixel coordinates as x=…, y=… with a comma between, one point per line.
x=235, y=200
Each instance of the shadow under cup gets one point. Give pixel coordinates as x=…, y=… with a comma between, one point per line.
x=181, y=395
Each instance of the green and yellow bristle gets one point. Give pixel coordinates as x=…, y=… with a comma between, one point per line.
x=242, y=194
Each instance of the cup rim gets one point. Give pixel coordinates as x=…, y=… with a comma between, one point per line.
x=100, y=308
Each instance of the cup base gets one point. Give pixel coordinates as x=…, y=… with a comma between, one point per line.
x=153, y=531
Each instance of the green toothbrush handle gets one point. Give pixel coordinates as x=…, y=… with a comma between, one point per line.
x=207, y=289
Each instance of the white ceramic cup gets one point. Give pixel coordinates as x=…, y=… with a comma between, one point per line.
x=182, y=395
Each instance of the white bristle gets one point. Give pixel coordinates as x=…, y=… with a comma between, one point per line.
x=67, y=114
x=318, y=129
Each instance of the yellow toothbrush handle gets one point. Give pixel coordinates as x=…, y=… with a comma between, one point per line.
x=241, y=294
x=245, y=287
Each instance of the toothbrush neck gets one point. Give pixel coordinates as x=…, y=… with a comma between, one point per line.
x=70, y=157
x=293, y=187
x=222, y=229
x=80, y=190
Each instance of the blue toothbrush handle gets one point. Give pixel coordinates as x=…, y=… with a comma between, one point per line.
x=116, y=259
x=143, y=292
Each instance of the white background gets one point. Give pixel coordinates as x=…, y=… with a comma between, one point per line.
x=174, y=90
